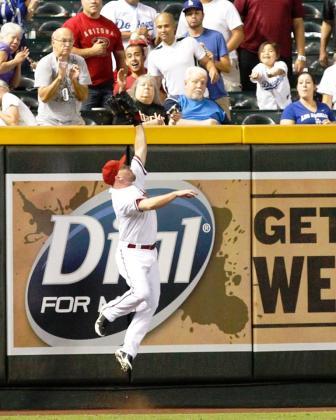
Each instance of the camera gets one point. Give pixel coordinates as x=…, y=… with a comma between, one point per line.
x=173, y=109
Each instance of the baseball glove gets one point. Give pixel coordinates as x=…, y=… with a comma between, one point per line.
x=123, y=109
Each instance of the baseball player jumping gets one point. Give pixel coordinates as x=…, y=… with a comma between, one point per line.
x=136, y=253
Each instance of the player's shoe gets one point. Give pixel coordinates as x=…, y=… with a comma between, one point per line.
x=101, y=323
x=125, y=360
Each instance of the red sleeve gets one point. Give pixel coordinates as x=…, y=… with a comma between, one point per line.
x=240, y=6
x=297, y=10
x=119, y=44
x=327, y=11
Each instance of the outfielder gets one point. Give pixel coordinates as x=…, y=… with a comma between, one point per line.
x=136, y=253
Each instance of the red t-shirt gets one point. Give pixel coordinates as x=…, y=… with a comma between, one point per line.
x=86, y=31
x=269, y=20
x=129, y=83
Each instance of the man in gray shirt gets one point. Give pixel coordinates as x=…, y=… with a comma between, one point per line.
x=62, y=80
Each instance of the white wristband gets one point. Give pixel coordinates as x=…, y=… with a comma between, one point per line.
x=301, y=57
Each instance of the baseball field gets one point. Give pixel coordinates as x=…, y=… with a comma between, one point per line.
x=268, y=415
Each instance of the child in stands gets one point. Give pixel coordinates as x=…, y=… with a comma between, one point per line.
x=270, y=75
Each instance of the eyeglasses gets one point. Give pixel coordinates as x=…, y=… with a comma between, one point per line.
x=64, y=41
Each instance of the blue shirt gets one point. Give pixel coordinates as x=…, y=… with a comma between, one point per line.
x=298, y=113
x=12, y=11
x=214, y=42
x=200, y=110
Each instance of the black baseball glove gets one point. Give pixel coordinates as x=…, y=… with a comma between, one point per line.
x=123, y=109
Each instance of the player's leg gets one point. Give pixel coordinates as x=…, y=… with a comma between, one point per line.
x=142, y=319
x=133, y=265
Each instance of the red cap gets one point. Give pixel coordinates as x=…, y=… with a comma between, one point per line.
x=111, y=168
x=139, y=41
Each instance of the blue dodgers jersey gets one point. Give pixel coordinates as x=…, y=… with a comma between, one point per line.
x=298, y=113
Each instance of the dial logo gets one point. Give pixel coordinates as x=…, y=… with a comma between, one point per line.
x=75, y=271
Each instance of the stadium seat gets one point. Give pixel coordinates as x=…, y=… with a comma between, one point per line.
x=89, y=121
x=257, y=119
x=100, y=116
x=243, y=101
x=239, y=115
x=312, y=47
x=48, y=27
x=32, y=103
x=51, y=10
x=47, y=49
x=26, y=83
x=312, y=29
x=175, y=9
x=311, y=11
x=315, y=68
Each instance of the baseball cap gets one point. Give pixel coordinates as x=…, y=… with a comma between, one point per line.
x=111, y=168
x=192, y=4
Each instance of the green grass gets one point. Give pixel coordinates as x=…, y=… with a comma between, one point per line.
x=315, y=415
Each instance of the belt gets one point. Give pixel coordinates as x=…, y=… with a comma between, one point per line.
x=138, y=246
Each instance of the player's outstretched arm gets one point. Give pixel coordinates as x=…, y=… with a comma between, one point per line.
x=140, y=143
x=159, y=201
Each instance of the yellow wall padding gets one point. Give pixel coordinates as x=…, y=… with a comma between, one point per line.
x=254, y=134
x=104, y=135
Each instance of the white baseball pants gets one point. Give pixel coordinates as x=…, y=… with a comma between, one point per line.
x=140, y=269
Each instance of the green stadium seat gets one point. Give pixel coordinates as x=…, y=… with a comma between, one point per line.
x=311, y=11
x=26, y=83
x=48, y=27
x=259, y=118
x=51, y=10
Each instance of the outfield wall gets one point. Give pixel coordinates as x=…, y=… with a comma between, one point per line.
x=107, y=135
x=247, y=270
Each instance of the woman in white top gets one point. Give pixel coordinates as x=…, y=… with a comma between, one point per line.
x=12, y=110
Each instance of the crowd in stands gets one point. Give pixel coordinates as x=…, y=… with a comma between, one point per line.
x=178, y=69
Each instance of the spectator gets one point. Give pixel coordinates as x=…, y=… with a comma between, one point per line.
x=95, y=38
x=271, y=21
x=146, y=96
x=170, y=59
x=11, y=58
x=135, y=61
x=17, y=11
x=62, y=80
x=194, y=107
x=131, y=16
x=13, y=110
x=328, y=27
x=306, y=110
x=270, y=75
x=327, y=86
x=222, y=16
x=214, y=44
